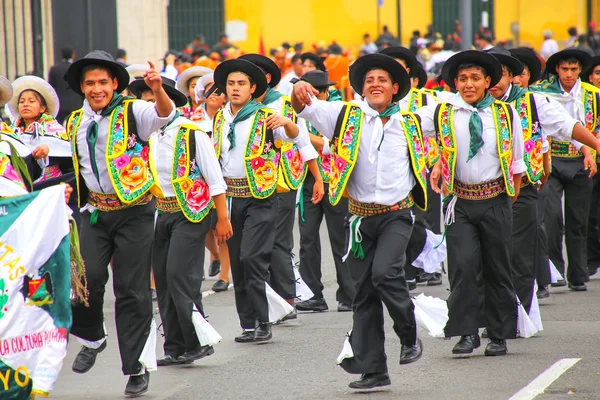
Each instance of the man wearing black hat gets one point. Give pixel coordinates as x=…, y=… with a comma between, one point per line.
x=312, y=62
x=293, y=170
x=310, y=216
x=184, y=218
x=110, y=141
x=371, y=138
x=570, y=167
x=539, y=119
x=532, y=66
x=245, y=136
x=481, y=164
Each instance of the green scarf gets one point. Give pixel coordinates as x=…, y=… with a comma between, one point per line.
x=271, y=96
x=246, y=112
x=334, y=95
x=388, y=112
x=549, y=86
x=516, y=92
x=92, y=132
x=476, y=126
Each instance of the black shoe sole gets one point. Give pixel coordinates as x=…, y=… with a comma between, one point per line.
x=386, y=382
x=495, y=353
x=265, y=339
x=243, y=341
x=461, y=351
x=314, y=309
x=137, y=394
x=543, y=296
x=210, y=352
x=559, y=284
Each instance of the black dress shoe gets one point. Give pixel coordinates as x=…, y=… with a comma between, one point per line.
x=435, y=280
x=592, y=269
x=466, y=344
x=542, y=292
x=370, y=381
x=86, y=358
x=412, y=285
x=577, y=287
x=410, y=354
x=312, y=305
x=166, y=360
x=343, y=307
x=263, y=333
x=496, y=347
x=560, y=283
x=191, y=356
x=214, y=268
x=137, y=385
x=245, y=337
x=220, y=286
x=292, y=315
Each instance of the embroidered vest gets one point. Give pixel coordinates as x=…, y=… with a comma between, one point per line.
x=417, y=98
x=126, y=154
x=324, y=161
x=444, y=122
x=293, y=169
x=261, y=158
x=532, y=136
x=345, y=144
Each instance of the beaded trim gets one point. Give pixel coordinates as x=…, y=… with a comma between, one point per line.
x=559, y=148
x=479, y=191
x=111, y=202
x=237, y=187
x=167, y=204
x=370, y=209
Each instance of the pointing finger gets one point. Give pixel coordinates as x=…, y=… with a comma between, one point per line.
x=151, y=64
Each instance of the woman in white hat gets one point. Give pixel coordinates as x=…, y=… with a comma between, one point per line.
x=186, y=84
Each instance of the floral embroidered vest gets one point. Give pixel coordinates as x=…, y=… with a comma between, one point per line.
x=532, y=136
x=190, y=189
x=324, y=161
x=126, y=154
x=345, y=144
x=293, y=169
x=416, y=99
x=444, y=122
x=261, y=158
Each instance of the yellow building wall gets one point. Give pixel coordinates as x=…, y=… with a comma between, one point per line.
x=311, y=21
x=535, y=17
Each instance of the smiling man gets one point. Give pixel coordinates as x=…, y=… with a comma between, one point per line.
x=371, y=138
x=110, y=154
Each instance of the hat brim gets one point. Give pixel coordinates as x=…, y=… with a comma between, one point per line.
x=76, y=70
x=6, y=91
x=192, y=72
x=266, y=64
x=30, y=82
x=490, y=63
x=139, y=85
x=246, y=67
x=529, y=59
x=583, y=57
x=513, y=64
x=359, y=69
x=404, y=54
x=136, y=71
x=594, y=62
x=315, y=59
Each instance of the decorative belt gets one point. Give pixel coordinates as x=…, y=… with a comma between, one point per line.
x=167, y=204
x=237, y=187
x=369, y=209
x=111, y=202
x=479, y=191
x=564, y=149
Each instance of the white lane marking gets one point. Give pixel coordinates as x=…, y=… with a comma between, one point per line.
x=545, y=379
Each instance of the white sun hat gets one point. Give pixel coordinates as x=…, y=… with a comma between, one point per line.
x=6, y=91
x=27, y=82
x=192, y=72
x=136, y=71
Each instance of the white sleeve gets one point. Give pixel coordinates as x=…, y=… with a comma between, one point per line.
x=555, y=121
x=306, y=149
x=323, y=115
x=326, y=150
x=518, y=145
x=426, y=115
x=208, y=164
x=147, y=118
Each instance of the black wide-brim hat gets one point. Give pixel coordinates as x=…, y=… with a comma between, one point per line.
x=404, y=54
x=359, y=69
x=96, y=57
x=513, y=64
x=318, y=61
x=267, y=65
x=490, y=63
x=530, y=59
x=583, y=58
x=318, y=79
x=139, y=85
x=244, y=66
x=594, y=62
x=421, y=75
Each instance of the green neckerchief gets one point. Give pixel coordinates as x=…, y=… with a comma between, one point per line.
x=548, y=86
x=388, y=112
x=334, y=95
x=516, y=92
x=246, y=112
x=476, y=126
x=92, y=132
x=19, y=165
x=271, y=96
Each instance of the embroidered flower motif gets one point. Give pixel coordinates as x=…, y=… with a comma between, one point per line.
x=257, y=162
x=180, y=171
x=186, y=184
x=131, y=141
x=340, y=163
x=276, y=158
x=122, y=161
x=145, y=153
x=265, y=176
x=134, y=175
x=198, y=196
x=296, y=165
x=529, y=145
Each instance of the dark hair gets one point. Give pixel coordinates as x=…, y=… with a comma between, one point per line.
x=385, y=28
x=67, y=52
x=417, y=33
x=572, y=31
x=37, y=95
x=471, y=65
x=120, y=53
x=222, y=35
x=508, y=70
x=93, y=67
x=366, y=35
x=296, y=57
x=582, y=39
x=568, y=60
x=373, y=69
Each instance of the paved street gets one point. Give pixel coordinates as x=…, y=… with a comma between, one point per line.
x=300, y=361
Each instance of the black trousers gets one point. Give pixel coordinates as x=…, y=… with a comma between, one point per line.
x=178, y=265
x=416, y=243
x=568, y=177
x=380, y=280
x=310, y=242
x=479, y=242
x=125, y=237
x=432, y=216
x=593, y=238
x=524, y=244
x=282, y=268
x=250, y=248
x=542, y=268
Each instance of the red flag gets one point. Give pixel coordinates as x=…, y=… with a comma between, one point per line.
x=261, y=46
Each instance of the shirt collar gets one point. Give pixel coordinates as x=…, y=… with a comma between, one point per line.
x=575, y=91
x=507, y=93
x=227, y=113
x=457, y=101
x=370, y=113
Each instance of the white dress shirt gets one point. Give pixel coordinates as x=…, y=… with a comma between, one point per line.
x=147, y=121
x=285, y=86
x=232, y=160
x=163, y=143
x=382, y=173
x=485, y=165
